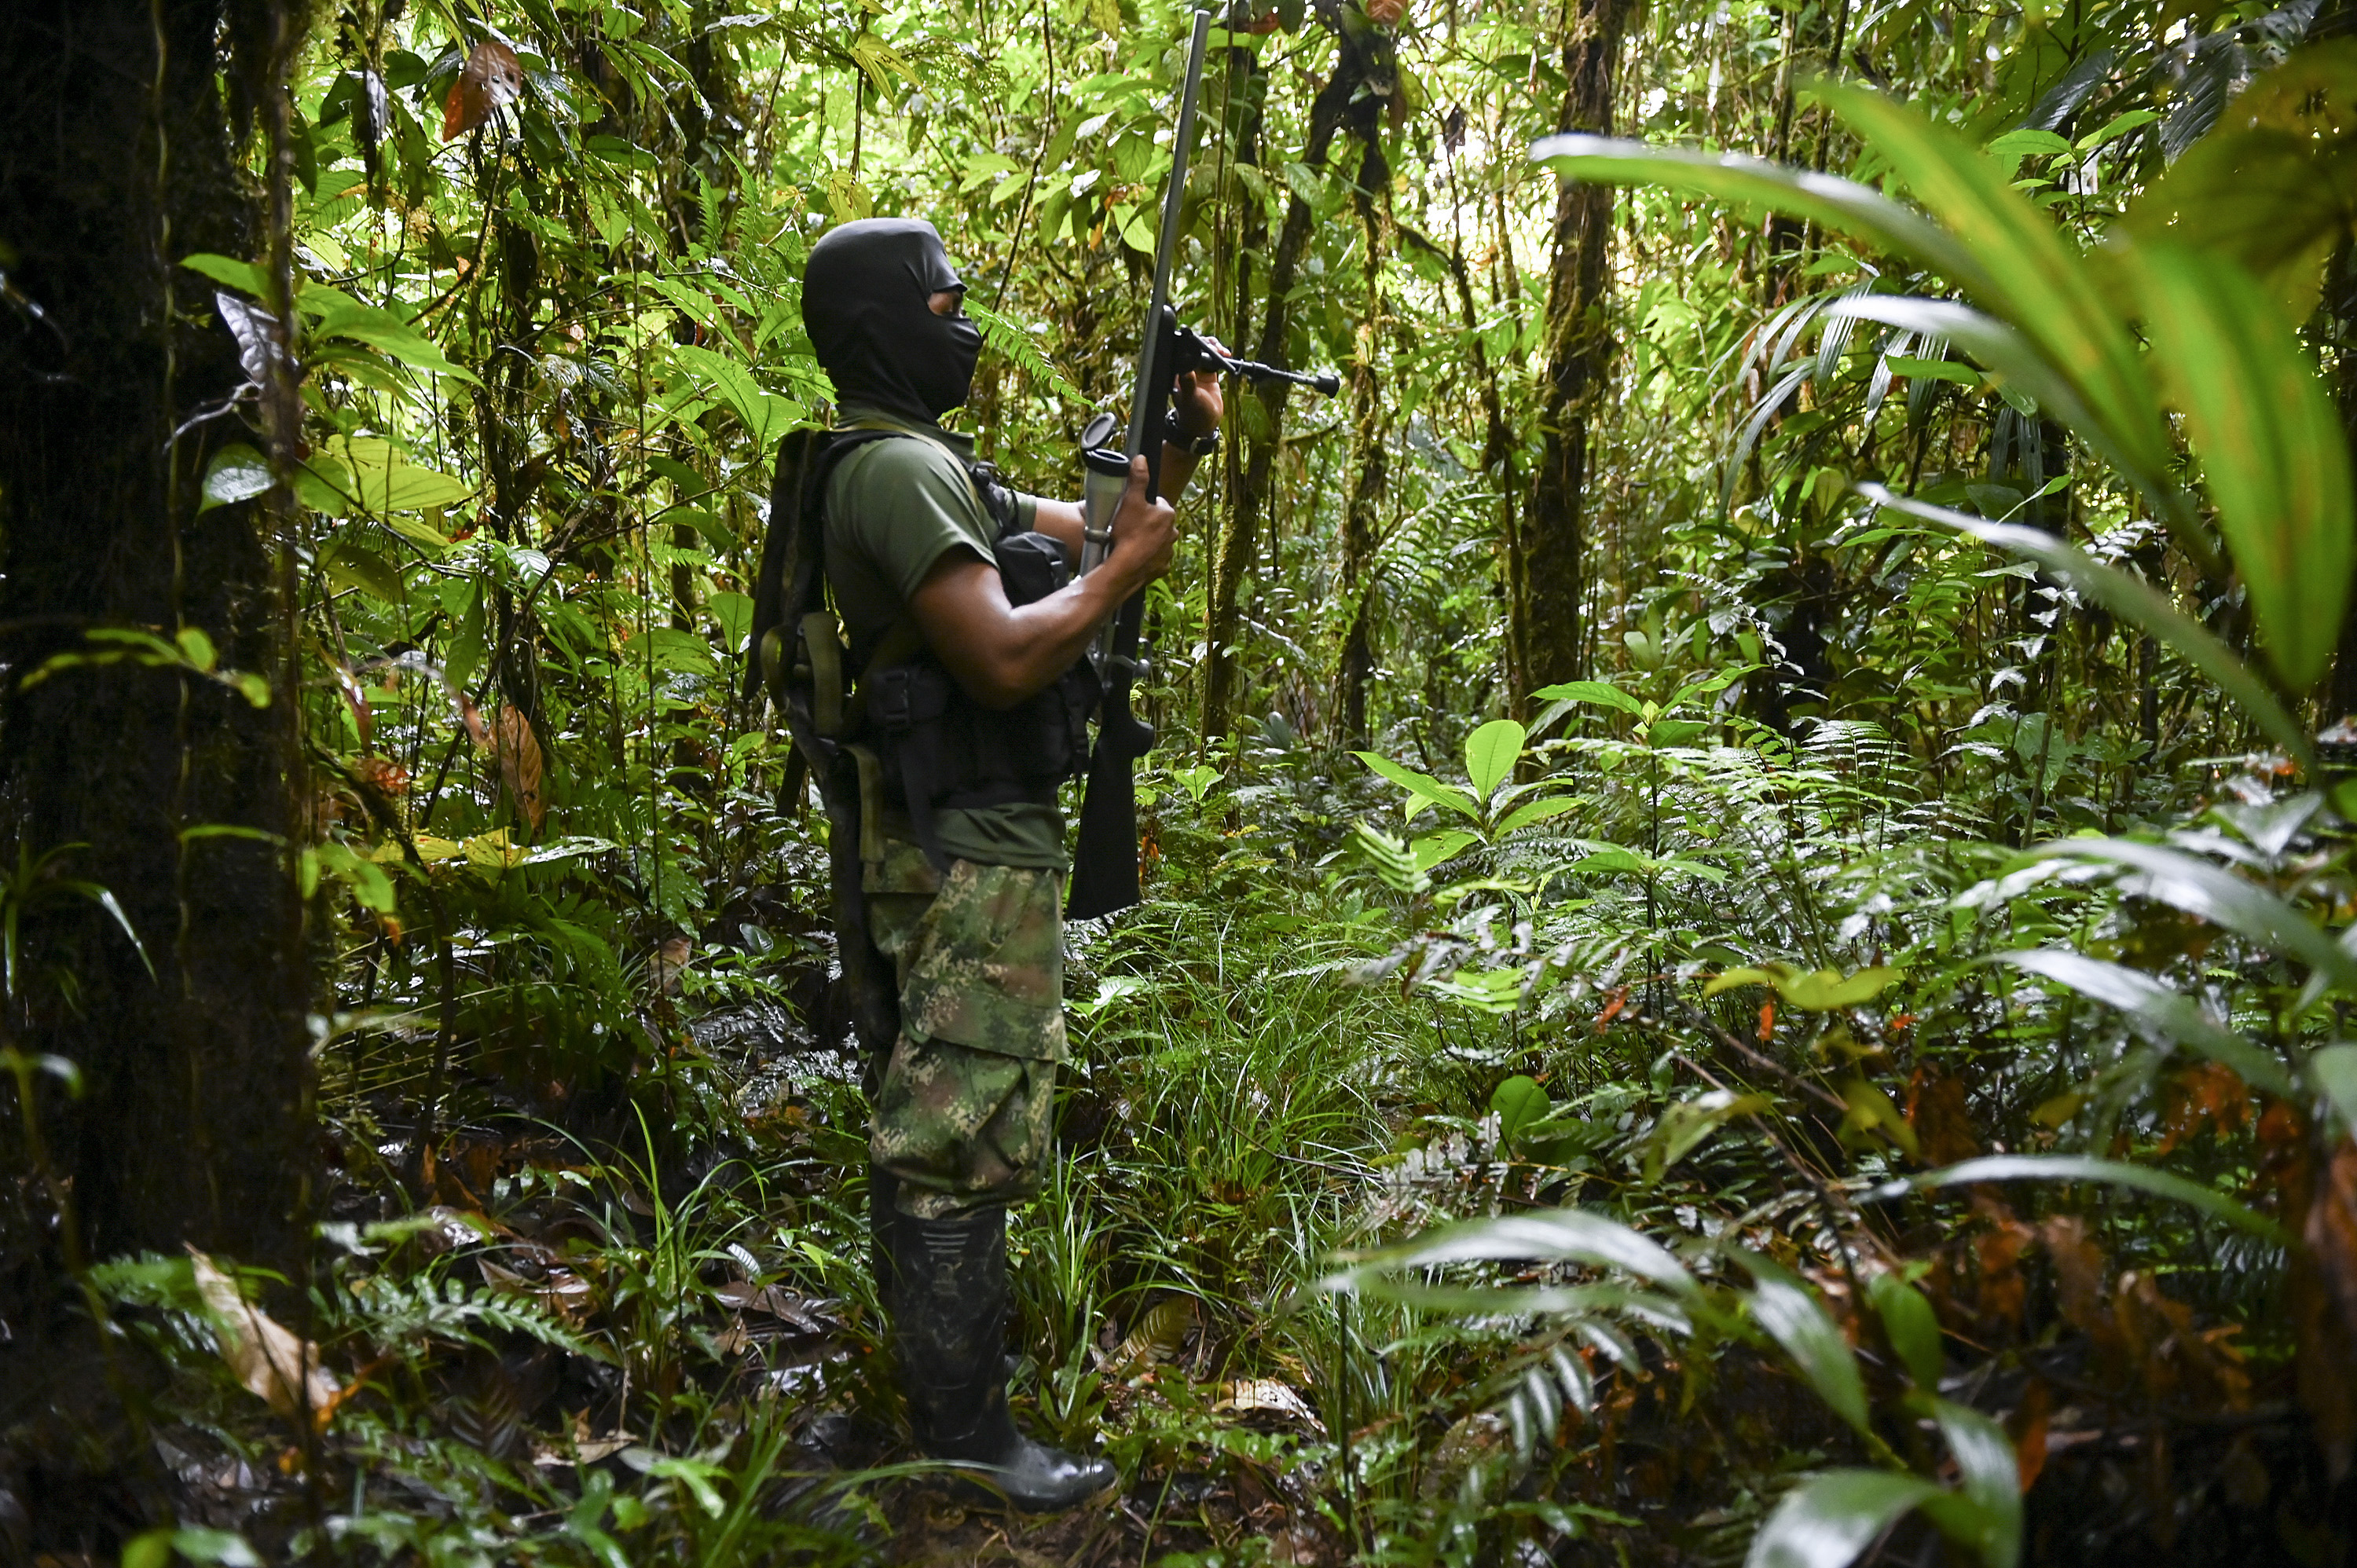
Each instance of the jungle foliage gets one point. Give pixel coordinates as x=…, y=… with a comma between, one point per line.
x=1749, y=904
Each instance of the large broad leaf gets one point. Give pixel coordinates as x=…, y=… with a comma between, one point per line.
x=1422, y=786
x=2333, y=1070
x=2160, y=1012
x=1595, y=692
x=2218, y=896
x=1490, y=753
x=367, y=473
x=1519, y=1102
x=2271, y=444
x=1912, y=1327
x=236, y=473
x=1561, y=1234
x=2086, y=1167
x=2133, y=600
x=2274, y=185
x=380, y=328
x=2024, y=367
x=2027, y=272
x=1783, y=1306
x=1841, y=204
x=1829, y=1519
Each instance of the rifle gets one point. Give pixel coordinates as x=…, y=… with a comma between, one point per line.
x=1104, y=865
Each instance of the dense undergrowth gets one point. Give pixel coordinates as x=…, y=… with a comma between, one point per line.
x=636, y=1324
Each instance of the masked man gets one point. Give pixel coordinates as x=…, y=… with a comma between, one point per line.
x=974, y=694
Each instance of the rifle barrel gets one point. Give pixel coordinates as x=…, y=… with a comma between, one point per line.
x=1146, y=401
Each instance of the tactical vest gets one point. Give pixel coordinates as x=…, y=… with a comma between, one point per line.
x=919, y=743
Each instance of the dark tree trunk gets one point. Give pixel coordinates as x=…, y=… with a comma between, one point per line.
x=1369, y=469
x=191, y=1126
x=2341, y=317
x=1262, y=427
x=1232, y=553
x=1547, y=558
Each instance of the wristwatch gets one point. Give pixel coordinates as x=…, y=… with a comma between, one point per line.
x=1173, y=435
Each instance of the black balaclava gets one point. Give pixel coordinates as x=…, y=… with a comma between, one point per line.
x=864, y=303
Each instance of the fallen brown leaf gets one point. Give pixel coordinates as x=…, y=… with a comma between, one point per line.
x=663, y=967
x=265, y=1357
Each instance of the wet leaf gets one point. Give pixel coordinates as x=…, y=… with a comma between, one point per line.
x=1991, y=1477
x=260, y=339
x=1827, y=1520
x=2159, y=1013
x=1794, y=1319
x=236, y=473
x=2083, y=1167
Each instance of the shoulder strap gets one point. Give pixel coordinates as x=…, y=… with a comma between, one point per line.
x=997, y=500
x=788, y=584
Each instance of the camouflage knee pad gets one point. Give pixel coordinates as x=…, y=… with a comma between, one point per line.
x=962, y=1129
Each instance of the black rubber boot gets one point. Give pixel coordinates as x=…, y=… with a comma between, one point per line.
x=949, y=1322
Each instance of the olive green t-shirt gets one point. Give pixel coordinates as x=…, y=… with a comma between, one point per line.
x=893, y=510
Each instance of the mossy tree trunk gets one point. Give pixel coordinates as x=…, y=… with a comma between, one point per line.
x=119, y=380
x=1547, y=557
x=1263, y=426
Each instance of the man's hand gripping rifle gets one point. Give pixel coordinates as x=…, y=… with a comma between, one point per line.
x=1104, y=867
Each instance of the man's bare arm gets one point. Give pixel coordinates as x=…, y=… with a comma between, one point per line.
x=1002, y=654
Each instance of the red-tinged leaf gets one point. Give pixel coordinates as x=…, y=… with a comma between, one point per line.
x=492, y=79
x=1943, y=1127
x=2028, y=1430
x=383, y=774
x=355, y=698
x=2208, y=1095
x=1999, y=1250
x=1767, y=1021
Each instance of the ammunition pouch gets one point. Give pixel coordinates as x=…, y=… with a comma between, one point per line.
x=943, y=750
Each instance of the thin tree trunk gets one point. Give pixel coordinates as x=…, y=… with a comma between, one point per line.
x=192, y=1121
x=1262, y=427
x=1231, y=551
x=2341, y=314
x=1552, y=547
x=1369, y=466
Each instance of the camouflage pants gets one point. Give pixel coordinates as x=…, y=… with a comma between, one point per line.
x=962, y=1116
